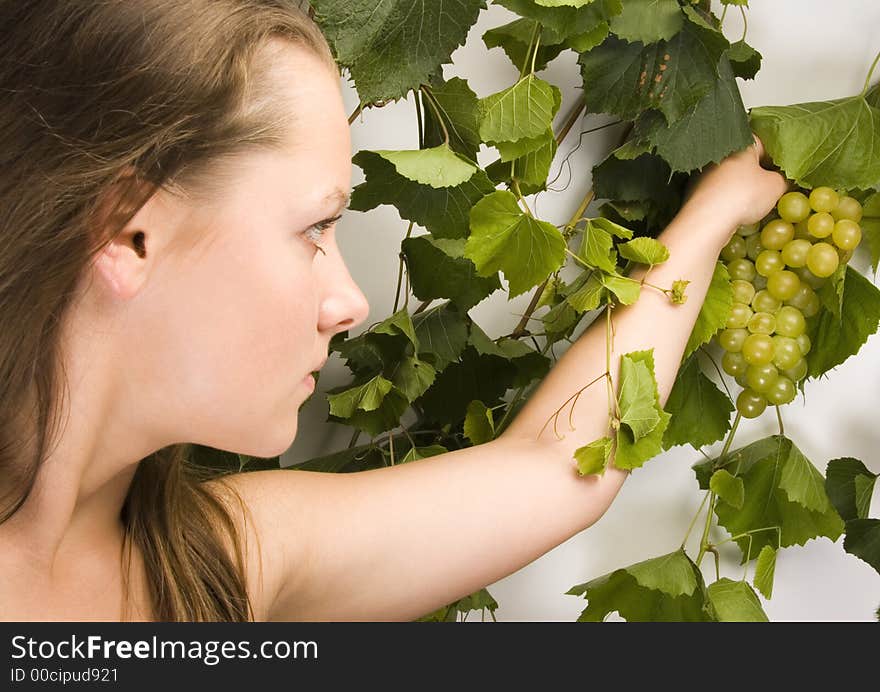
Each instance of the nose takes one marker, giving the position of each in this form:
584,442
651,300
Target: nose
343,304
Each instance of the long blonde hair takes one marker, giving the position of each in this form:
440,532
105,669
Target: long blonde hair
88,89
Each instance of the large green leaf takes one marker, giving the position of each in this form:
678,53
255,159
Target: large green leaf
648,21
834,143
566,23
637,409
734,601
715,309
782,489
700,411
442,211
459,109
523,111
515,39
438,166
850,485
717,126
863,540
393,46
668,588
632,452
442,333
438,269
625,79
412,377
834,340
504,238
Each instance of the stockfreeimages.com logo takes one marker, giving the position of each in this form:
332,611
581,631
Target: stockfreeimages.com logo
208,652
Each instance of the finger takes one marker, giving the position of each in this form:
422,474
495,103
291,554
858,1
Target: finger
778,183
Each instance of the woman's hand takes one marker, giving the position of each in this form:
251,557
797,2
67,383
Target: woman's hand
738,190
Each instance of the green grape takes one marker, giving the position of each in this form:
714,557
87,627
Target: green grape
765,302
748,229
769,261
820,225
809,278
794,254
750,403
789,322
757,349
735,249
732,339
793,206
759,282
754,247
823,199
783,284
761,377
743,291
740,314
822,259
847,234
805,300
801,229
733,363
741,381
797,372
776,234
781,392
741,269
804,343
786,352
848,208
762,323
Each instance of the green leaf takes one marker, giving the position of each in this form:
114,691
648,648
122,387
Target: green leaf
744,60
437,167
416,453
531,168
831,292
596,248
717,126
700,411
729,488
834,341
522,111
644,251
593,458
648,21
479,600
459,108
834,143
870,224
442,333
359,458
504,238
715,309
863,540
626,290
394,46
849,485
765,568
734,601
367,396
612,228
438,269
479,427
569,23
515,39
376,421
668,588
474,376
399,323
636,397
782,489
445,212
625,79
413,377
589,295
632,452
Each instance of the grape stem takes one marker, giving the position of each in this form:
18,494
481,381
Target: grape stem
704,540
779,418
870,74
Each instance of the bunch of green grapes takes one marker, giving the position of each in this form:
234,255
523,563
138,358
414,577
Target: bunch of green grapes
776,267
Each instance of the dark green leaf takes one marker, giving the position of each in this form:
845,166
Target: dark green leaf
849,485
744,59
863,540
514,38
442,333
459,108
700,411
648,21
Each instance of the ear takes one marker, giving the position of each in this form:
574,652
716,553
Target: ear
122,264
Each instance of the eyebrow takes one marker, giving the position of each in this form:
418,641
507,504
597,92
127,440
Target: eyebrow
339,195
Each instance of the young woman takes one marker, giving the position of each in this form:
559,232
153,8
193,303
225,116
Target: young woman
169,274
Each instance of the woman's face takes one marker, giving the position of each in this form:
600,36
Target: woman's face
223,332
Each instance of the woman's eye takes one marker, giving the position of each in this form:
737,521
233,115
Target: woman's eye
316,232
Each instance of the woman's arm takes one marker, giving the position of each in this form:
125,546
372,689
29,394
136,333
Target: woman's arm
398,542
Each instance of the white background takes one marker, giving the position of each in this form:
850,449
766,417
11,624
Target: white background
813,50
